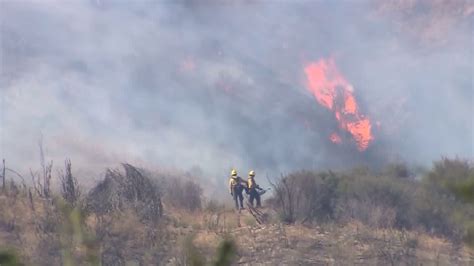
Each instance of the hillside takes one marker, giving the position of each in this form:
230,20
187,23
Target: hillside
328,244
128,220
131,131
269,244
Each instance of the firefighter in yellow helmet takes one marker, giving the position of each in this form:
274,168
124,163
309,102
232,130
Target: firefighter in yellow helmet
252,188
236,187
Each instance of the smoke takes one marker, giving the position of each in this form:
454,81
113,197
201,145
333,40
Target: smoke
214,85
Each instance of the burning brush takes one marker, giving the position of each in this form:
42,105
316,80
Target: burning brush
335,93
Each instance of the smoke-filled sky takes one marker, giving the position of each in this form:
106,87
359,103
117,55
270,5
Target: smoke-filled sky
212,85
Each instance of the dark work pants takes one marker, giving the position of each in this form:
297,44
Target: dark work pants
254,196
238,197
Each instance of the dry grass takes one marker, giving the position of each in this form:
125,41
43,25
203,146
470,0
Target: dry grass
116,231
122,235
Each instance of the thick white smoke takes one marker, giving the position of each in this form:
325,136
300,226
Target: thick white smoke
215,84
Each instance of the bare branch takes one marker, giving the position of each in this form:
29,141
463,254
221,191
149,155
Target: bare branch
69,185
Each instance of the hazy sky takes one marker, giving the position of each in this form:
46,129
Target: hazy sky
214,84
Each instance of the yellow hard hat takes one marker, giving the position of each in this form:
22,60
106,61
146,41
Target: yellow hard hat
252,173
233,172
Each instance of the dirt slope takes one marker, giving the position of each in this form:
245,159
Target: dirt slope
277,244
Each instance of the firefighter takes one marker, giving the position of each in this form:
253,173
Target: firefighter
236,187
252,188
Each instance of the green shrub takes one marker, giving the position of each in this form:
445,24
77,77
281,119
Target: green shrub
9,258
439,203
225,253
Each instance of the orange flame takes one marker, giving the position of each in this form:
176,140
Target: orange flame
335,138
335,93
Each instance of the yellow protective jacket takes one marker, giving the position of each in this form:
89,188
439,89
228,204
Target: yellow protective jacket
251,183
234,181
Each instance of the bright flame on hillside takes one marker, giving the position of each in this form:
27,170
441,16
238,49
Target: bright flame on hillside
334,92
335,138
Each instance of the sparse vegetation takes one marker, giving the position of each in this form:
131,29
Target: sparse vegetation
329,217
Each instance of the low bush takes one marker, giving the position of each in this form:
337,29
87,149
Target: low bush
182,193
306,196
379,199
132,189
